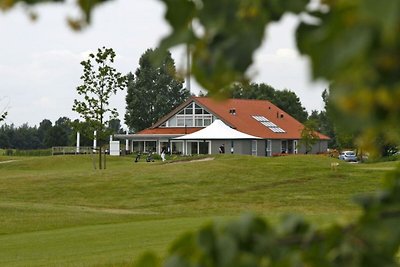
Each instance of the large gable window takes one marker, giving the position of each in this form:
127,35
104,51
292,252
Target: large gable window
191,116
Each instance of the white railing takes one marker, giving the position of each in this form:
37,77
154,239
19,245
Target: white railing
71,150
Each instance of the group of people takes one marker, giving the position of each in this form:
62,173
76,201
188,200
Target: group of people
165,150
150,158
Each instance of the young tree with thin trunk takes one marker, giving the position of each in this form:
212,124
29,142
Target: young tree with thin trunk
309,136
100,82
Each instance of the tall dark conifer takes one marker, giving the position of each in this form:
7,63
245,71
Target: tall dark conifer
153,91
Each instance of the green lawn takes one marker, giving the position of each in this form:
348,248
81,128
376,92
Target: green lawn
58,211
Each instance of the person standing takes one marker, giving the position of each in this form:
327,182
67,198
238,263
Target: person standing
222,149
163,150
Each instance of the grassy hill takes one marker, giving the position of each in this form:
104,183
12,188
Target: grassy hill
58,211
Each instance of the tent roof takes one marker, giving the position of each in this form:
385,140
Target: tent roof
217,131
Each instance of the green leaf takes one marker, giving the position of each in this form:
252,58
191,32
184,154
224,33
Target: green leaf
185,9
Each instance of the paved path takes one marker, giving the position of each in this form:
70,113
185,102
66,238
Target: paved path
190,161
7,161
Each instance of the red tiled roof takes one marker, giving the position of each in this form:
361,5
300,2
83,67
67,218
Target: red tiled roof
242,120
170,130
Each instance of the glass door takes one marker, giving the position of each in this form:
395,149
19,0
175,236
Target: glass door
254,147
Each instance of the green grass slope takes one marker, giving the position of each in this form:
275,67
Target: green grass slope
58,211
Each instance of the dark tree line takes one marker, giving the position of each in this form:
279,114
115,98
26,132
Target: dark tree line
47,134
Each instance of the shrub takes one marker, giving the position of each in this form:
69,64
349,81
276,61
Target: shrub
32,153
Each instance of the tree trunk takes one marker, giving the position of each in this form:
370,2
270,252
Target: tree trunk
93,160
100,165
105,155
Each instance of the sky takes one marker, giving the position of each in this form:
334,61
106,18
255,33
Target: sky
40,61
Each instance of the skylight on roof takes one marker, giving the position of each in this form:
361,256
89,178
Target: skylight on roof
269,124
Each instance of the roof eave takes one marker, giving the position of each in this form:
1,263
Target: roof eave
146,136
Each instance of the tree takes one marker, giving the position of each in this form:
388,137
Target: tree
326,119
65,129
290,103
25,137
43,131
81,127
59,134
285,99
100,82
153,91
114,126
260,91
334,124
309,137
5,136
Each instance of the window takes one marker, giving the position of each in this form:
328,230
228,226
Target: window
269,124
189,110
254,147
207,121
188,122
269,148
180,121
284,146
172,122
199,122
191,116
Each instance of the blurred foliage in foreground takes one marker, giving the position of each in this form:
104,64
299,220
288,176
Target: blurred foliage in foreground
373,240
353,44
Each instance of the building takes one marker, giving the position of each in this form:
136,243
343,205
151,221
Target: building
274,131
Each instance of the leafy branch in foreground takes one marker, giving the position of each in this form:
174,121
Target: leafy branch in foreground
85,6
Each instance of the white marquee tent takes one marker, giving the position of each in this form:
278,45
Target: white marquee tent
217,131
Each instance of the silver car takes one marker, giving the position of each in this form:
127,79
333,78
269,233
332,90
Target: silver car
348,156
